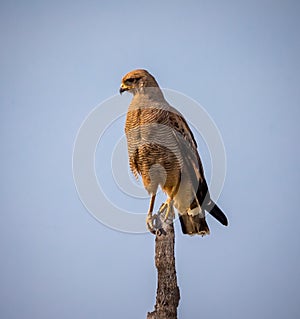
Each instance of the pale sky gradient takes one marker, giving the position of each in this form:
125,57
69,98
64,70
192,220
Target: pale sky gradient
60,59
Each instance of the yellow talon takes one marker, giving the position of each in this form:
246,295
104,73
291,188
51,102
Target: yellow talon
168,206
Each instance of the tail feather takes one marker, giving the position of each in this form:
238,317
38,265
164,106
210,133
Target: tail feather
193,225
216,212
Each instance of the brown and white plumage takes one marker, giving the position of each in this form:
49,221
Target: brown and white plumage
162,149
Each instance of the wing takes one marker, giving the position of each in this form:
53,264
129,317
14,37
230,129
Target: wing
191,159
186,140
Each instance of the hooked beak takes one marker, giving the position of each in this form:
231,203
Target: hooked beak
123,88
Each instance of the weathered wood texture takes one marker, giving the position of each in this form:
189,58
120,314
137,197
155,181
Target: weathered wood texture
167,294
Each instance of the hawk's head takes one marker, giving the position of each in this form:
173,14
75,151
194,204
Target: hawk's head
136,80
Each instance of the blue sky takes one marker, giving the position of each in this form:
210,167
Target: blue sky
59,60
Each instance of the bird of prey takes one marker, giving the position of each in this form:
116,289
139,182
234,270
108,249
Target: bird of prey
163,150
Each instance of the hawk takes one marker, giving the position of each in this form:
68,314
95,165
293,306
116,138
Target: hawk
163,151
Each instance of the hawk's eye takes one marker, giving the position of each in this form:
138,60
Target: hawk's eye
130,80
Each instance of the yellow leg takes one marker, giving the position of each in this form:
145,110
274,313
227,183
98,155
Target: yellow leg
168,207
149,220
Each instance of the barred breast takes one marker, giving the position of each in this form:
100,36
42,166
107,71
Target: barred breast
157,147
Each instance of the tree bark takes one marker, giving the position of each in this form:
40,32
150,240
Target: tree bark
167,294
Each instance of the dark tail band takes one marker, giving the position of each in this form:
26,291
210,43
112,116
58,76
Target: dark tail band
216,212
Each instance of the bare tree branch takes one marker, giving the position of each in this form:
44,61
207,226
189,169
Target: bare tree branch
167,294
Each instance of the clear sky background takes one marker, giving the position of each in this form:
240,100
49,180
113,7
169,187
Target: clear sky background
59,59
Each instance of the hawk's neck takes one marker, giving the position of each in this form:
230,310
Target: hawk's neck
149,94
